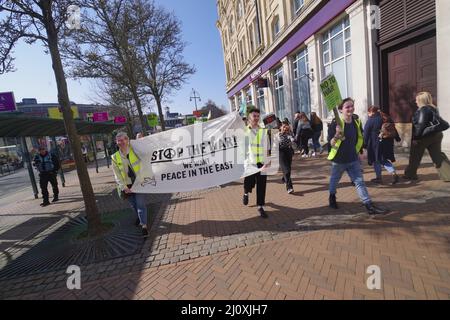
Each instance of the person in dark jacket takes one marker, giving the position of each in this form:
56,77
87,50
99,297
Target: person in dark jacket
294,128
317,127
380,151
286,153
303,133
48,165
432,142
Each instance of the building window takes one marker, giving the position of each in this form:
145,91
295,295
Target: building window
240,10
336,55
260,100
276,28
251,37
279,93
297,6
239,100
302,98
231,26
249,96
256,32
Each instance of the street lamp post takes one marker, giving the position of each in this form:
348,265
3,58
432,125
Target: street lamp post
195,97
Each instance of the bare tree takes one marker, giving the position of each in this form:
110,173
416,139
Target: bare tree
44,21
104,47
211,107
161,48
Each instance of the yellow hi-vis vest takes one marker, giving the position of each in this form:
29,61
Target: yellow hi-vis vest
134,162
256,145
359,142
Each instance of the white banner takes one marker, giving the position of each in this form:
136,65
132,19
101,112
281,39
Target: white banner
198,156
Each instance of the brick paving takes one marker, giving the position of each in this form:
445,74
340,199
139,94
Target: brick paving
207,245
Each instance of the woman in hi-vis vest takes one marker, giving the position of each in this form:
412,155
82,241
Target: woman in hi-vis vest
125,166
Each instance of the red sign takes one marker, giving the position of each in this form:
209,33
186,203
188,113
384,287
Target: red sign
120,119
197,114
101,116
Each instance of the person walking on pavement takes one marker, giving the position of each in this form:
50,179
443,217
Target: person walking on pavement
346,143
286,153
303,133
421,139
256,155
294,129
317,127
379,143
84,151
125,166
48,165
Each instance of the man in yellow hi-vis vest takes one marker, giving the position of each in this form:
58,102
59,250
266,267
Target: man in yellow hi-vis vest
257,140
346,140
126,165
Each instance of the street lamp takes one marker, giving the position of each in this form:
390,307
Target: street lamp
195,97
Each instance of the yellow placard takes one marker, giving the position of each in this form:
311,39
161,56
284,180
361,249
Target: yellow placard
54,113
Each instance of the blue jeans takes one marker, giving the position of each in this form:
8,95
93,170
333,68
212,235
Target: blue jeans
137,201
387,165
354,171
315,139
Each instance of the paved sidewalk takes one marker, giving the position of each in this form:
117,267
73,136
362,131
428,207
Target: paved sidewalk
207,245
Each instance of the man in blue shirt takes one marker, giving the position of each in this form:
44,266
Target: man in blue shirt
346,141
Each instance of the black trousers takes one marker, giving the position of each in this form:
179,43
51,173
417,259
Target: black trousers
433,144
285,164
304,138
44,179
260,180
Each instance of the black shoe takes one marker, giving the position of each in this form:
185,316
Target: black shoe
377,181
372,209
262,213
137,223
332,201
44,204
55,198
395,179
410,178
245,199
144,232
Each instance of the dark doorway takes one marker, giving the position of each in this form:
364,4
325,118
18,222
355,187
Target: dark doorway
411,68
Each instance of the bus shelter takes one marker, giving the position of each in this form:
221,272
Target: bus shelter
19,125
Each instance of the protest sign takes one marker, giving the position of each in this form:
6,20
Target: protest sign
199,156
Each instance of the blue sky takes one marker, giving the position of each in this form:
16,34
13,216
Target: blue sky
34,76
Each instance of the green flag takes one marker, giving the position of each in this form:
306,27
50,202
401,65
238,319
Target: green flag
330,91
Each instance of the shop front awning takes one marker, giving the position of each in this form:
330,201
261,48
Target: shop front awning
21,125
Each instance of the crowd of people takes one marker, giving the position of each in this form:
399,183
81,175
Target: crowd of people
346,140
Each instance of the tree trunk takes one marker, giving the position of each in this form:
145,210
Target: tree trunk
93,216
137,100
160,112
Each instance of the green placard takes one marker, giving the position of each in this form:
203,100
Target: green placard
152,120
330,91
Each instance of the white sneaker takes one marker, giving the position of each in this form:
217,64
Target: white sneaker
313,154
290,191
304,156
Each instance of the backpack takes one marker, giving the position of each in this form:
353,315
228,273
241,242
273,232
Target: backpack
388,129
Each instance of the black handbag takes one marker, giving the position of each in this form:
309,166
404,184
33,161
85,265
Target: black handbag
436,125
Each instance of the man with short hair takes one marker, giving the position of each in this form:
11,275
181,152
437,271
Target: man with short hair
48,165
125,166
256,156
346,141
